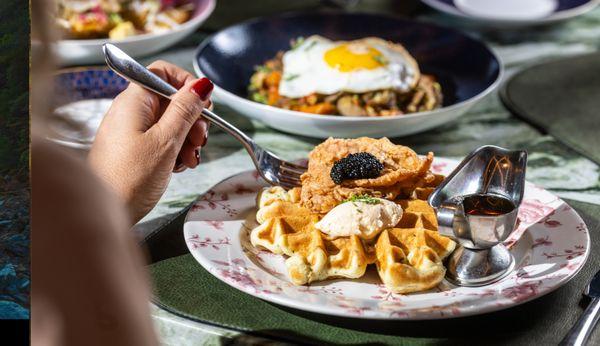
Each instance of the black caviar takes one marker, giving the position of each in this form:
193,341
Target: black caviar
356,166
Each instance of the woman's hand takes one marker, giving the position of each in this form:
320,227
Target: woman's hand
144,137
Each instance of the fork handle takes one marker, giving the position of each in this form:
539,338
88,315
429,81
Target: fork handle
133,71
581,331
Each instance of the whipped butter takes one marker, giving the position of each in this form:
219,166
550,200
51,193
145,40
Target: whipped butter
365,219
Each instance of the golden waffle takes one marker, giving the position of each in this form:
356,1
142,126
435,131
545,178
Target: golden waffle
277,221
288,228
409,257
427,186
414,213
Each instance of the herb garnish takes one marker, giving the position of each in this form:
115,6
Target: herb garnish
357,208
116,18
297,42
364,199
312,44
290,77
262,68
258,97
380,59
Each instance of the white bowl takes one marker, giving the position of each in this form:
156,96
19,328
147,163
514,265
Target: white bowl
80,52
563,10
325,126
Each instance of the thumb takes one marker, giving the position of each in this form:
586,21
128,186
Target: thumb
185,108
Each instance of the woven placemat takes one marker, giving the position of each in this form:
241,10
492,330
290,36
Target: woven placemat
561,98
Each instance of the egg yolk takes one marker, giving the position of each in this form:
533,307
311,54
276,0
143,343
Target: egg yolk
348,57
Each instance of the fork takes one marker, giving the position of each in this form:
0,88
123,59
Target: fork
270,167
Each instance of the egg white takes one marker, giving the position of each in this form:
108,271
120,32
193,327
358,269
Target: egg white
305,70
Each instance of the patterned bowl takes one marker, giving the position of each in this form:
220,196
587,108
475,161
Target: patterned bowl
82,97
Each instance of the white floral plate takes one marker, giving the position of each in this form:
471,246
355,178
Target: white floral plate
550,246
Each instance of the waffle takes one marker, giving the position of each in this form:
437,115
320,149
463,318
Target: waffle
425,187
409,257
288,228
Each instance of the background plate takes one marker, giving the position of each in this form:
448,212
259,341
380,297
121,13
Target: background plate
82,97
78,52
563,9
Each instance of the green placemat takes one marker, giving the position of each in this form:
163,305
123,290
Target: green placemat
561,98
183,287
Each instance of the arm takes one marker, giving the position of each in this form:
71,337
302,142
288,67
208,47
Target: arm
90,285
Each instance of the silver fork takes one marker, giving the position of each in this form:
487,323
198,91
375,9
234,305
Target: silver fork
273,169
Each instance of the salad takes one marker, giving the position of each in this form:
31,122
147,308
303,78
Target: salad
118,19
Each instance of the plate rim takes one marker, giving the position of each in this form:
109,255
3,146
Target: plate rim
292,303
554,17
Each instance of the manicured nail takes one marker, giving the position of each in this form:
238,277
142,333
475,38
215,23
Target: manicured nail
179,169
197,152
179,166
205,138
203,87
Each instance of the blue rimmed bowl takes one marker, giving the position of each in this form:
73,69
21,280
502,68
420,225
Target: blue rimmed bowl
81,98
465,67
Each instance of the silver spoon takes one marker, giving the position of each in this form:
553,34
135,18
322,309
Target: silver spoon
273,169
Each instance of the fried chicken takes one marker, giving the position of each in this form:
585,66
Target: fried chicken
403,172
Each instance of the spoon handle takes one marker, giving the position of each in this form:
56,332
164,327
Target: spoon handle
128,68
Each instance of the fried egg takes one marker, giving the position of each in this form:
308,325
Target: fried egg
319,65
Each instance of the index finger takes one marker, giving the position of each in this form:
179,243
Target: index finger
172,74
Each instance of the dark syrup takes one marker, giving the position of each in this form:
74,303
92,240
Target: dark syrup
487,205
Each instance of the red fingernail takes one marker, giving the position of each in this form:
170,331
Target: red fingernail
203,87
179,168
197,152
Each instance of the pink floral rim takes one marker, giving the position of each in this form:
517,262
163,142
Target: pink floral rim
550,245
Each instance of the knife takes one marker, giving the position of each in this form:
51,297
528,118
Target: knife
581,331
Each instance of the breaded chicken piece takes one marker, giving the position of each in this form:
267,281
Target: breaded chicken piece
403,172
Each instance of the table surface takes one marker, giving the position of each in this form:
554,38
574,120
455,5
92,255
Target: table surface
551,165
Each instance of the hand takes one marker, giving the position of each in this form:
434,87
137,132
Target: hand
144,137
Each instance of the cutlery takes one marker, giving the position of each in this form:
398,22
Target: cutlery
581,331
272,169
